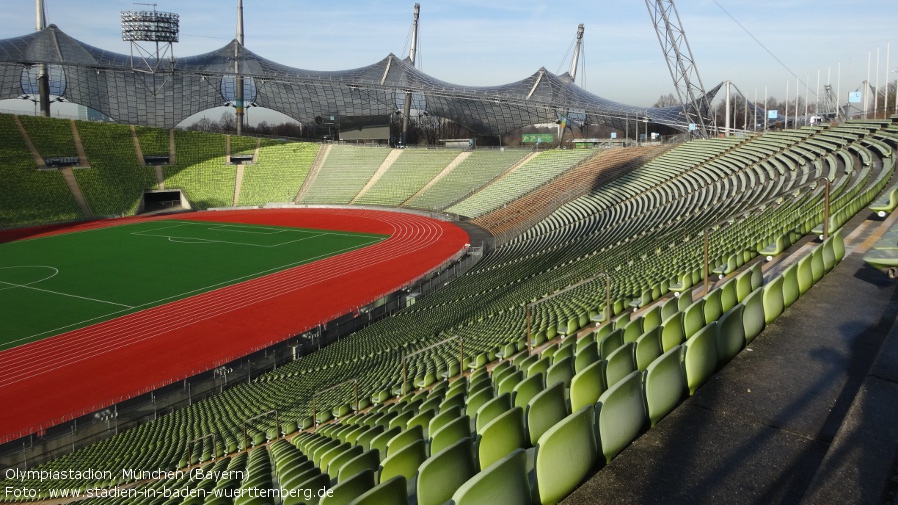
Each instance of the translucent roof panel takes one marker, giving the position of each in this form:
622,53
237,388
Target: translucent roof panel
105,81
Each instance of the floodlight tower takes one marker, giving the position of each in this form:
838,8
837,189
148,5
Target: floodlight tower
696,107
238,105
43,76
413,48
161,30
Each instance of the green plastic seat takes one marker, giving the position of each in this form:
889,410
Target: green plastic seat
317,483
620,363
367,436
728,295
491,410
838,244
828,254
753,316
349,489
757,276
380,441
565,455
585,357
651,318
368,460
326,457
422,419
700,357
509,381
669,308
817,269
743,285
444,417
404,439
502,483
336,463
450,433
791,292
527,389
389,492
712,307
540,366
544,410
588,385
730,335
805,275
457,400
499,370
610,342
501,436
773,299
633,330
444,472
404,462
673,333
648,347
566,350
665,384
694,317
620,415
561,371
476,401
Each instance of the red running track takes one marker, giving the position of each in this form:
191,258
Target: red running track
66,376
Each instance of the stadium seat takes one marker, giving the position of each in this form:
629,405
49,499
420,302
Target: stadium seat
565,454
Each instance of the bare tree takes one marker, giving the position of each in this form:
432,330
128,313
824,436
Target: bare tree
668,100
228,122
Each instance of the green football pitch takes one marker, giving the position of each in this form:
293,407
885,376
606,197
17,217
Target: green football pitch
60,283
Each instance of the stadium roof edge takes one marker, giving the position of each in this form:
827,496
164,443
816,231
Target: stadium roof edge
108,82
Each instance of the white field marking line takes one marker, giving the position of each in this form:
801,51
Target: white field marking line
13,285
369,258
237,305
26,371
200,240
270,283
203,290
25,286
108,349
235,228
197,290
227,309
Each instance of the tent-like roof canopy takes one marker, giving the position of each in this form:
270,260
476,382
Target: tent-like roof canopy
107,82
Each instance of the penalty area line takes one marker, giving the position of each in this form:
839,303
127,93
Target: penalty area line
25,286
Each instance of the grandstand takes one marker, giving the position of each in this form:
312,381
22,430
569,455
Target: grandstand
596,380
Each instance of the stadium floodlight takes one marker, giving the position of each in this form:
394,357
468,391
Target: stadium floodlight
150,26
160,30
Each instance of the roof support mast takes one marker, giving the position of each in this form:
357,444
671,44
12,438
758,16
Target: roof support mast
575,62
407,109
43,76
691,92
238,106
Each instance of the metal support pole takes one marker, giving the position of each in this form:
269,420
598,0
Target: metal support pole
826,209
707,260
461,354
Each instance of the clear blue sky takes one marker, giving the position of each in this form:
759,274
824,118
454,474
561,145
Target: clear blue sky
498,41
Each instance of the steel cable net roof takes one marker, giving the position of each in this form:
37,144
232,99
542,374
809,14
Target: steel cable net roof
105,81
